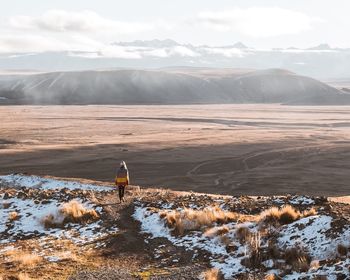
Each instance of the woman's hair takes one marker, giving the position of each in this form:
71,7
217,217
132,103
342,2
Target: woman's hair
123,164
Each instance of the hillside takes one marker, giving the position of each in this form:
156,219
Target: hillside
54,228
169,86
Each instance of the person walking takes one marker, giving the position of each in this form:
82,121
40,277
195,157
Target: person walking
122,180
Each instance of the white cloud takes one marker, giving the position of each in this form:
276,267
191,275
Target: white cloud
258,21
227,52
183,51
28,42
84,21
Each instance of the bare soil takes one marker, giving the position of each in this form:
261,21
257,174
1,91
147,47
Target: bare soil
226,149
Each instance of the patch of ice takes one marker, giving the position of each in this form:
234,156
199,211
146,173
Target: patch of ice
18,180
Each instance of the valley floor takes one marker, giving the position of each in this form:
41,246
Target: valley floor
224,149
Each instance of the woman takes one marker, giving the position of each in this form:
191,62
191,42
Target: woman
122,180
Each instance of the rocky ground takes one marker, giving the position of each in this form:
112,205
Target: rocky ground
64,229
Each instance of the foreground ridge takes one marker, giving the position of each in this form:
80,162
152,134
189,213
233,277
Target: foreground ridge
74,228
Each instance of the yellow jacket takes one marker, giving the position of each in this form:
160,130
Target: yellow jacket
122,178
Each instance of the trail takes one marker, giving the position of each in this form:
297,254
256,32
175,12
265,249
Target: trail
246,166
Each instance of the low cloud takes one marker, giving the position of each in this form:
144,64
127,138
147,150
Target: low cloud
84,21
257,21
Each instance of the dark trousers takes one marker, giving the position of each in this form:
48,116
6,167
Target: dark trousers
121,190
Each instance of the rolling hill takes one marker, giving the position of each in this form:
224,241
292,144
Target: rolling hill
169,86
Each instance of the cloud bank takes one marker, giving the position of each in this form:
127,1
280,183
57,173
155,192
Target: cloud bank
87,31
257,21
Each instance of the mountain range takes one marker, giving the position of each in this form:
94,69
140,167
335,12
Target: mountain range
320,62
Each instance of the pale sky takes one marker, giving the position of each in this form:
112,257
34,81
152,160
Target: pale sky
90,25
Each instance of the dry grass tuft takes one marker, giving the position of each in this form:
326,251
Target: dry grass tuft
298,258
188,219
342,250
212,274
288,215
216,231
310,212
13,216
70,212
254,257
23,258
75,212
243,234
272,277
285,215
315,264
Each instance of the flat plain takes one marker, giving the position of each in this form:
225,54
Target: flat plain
227,149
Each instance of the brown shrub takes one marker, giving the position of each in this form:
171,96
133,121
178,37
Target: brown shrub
298,258
243,234
342,250
70,212
13,216
212,274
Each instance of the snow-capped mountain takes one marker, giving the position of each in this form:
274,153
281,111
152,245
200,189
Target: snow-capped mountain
321,62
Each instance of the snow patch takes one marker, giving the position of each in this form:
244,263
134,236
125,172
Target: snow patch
18,180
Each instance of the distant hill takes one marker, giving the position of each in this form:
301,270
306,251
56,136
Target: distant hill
169,86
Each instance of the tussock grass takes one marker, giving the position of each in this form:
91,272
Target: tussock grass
75,212
188,219
212,274
243,234
254,256
13,216
298,258
314,264
216,231
23,259
70,212
285,215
